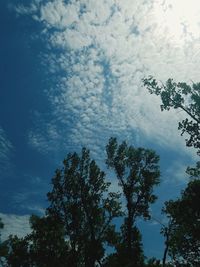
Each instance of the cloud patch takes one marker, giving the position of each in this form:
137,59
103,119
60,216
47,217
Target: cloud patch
99,52
14,225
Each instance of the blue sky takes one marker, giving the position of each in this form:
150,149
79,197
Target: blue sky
70,76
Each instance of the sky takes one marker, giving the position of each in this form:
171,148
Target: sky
71,76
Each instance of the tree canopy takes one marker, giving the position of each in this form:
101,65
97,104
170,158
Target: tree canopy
81,201
138,172
184,234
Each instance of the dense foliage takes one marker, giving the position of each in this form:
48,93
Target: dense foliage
184,234
81,201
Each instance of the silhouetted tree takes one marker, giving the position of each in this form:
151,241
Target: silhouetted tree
138,172
186,98
184,235
166,231
3,247
47,244
81,201
78,225
18,254
120,257
180,96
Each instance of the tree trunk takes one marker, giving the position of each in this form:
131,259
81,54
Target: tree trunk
129,233
166,247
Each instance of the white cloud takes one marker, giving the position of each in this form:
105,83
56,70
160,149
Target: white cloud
74,40
29,200
14,225
107,47
30,9
59,14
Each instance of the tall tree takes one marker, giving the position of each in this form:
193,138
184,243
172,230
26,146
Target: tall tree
81,201
180,239
180,96
138,172
184,234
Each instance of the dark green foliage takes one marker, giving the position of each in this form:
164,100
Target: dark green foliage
44,247
194,172
182,96
121,257
138,172
81,201
3,247
18,254
1,224
47,245
184,235
153,262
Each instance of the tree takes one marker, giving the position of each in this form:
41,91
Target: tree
17,252
182,241
180,96
47,244
120,257
78,222
138,172
3,248
81,201
184,235
153,262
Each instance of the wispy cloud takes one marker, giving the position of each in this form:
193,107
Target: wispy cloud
100,51
28,9
6,149
178,171
31,197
